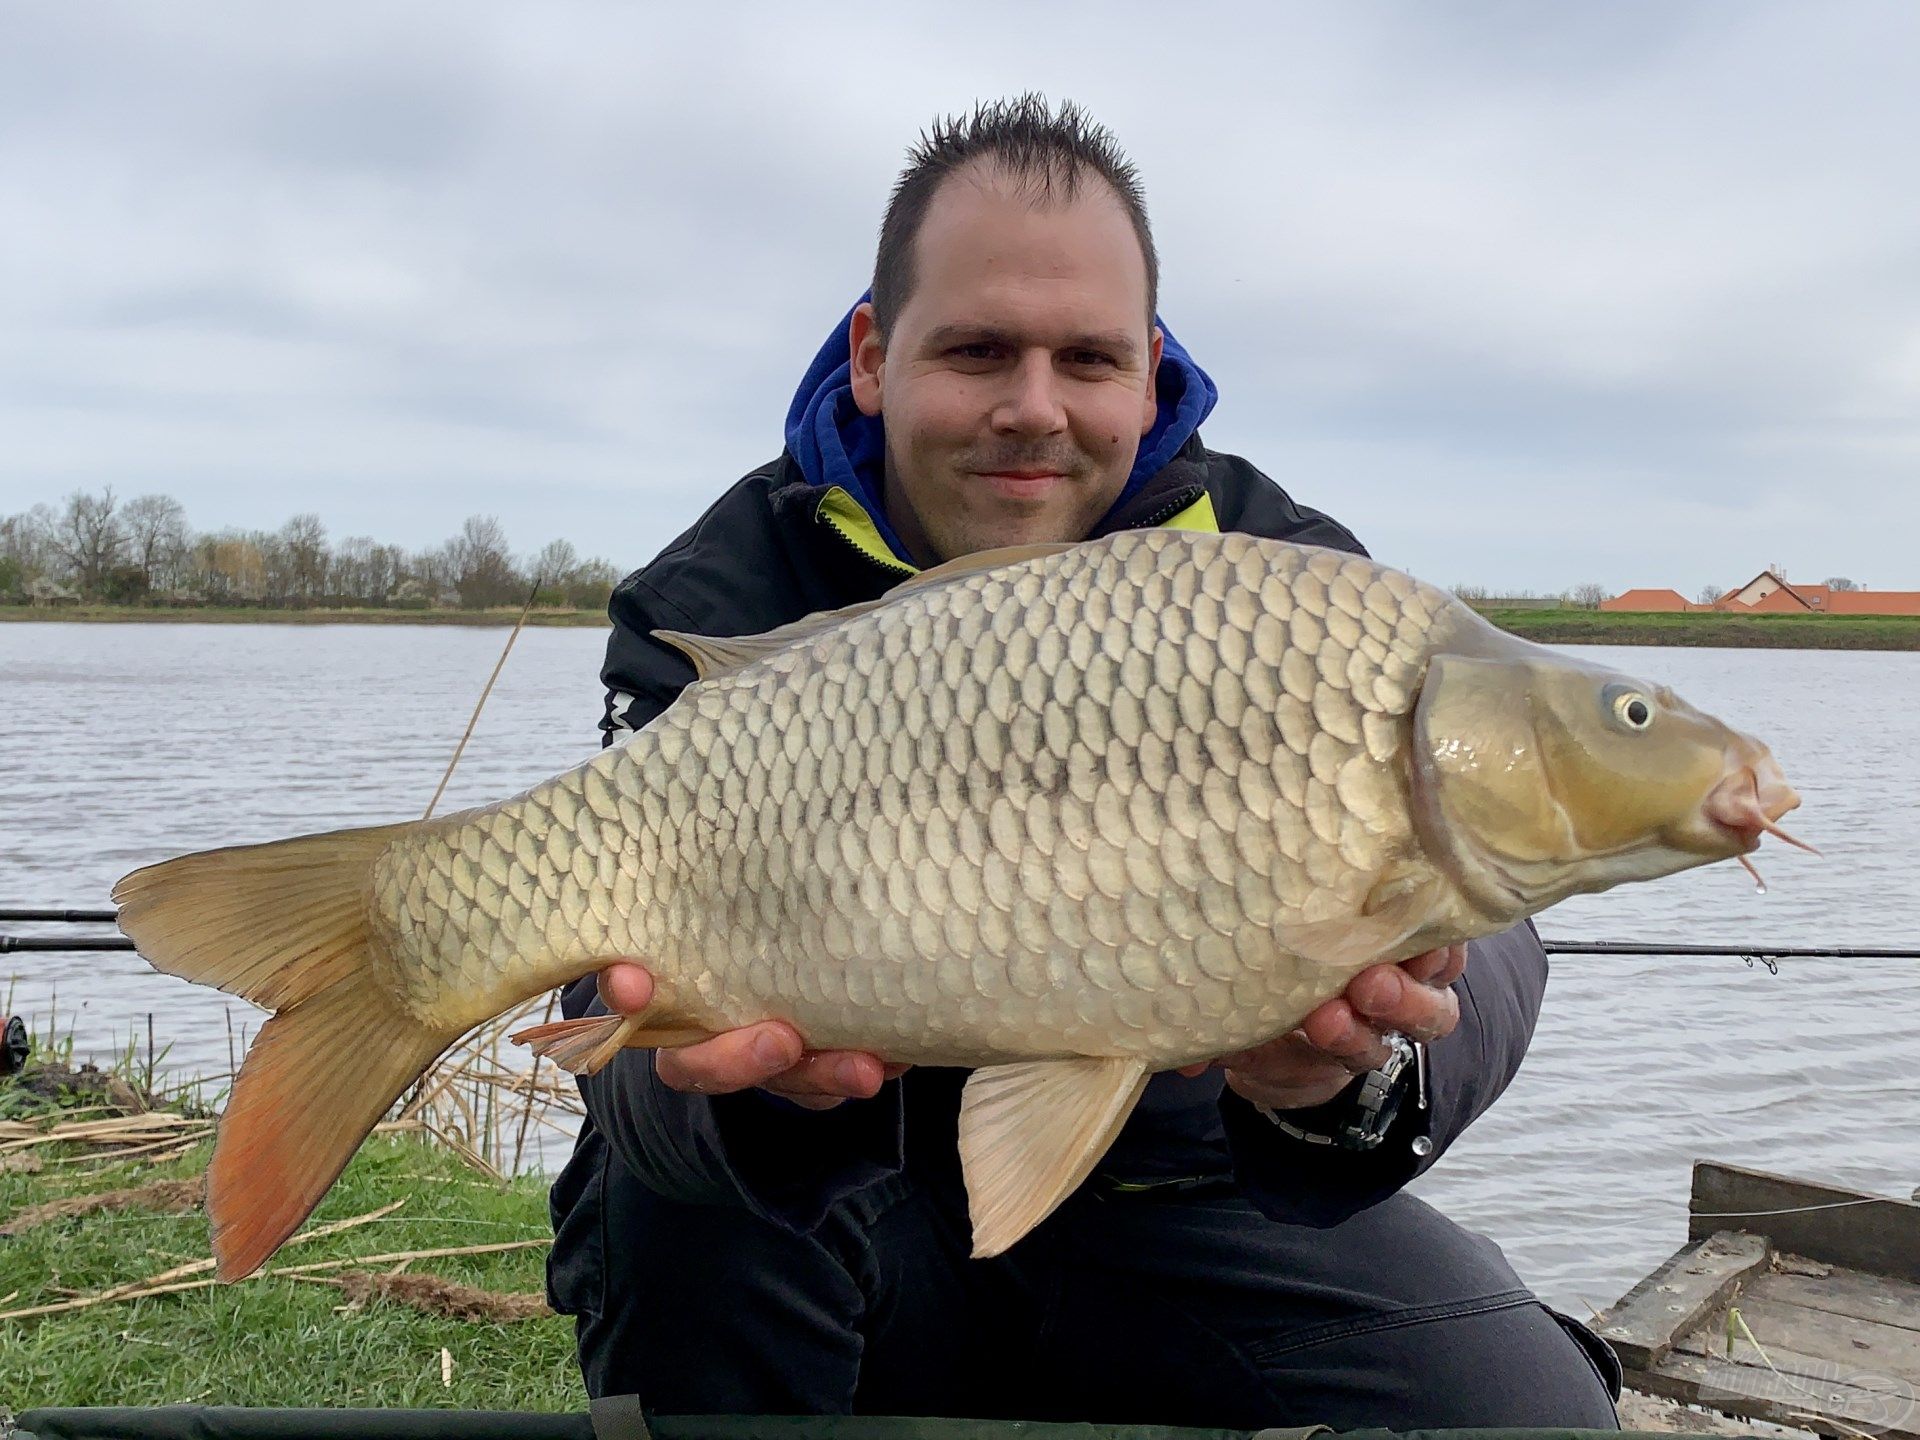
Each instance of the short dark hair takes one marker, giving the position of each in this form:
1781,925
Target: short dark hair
1047,153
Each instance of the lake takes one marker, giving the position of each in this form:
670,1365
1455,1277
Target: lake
126,744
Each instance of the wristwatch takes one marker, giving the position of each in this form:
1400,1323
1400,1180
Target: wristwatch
1360,1120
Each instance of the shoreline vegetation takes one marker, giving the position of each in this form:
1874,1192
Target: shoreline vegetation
499,615
417,1283
1713,629
1559,626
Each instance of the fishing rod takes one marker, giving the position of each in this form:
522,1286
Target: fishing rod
1750,952
1738,952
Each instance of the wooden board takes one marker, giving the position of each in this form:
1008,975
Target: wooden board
1825,1285
1841,1227
1862,1345
1849,1294
1874,1406
1697,1281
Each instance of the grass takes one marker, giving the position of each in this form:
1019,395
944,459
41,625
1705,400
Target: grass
267,1341
242,615
1785,632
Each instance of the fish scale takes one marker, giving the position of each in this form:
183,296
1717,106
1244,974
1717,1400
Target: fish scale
1089,719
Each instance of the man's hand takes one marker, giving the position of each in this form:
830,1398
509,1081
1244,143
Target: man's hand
769,1055
1346,1036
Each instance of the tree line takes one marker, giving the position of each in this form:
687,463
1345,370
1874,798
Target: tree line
99,549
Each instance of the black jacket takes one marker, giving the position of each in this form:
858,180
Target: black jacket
766,554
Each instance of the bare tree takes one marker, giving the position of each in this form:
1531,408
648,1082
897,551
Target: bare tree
482,567
1587,596
276,565
1709,594
434,571
304,545
348,568
26,542
553,568
386,572
157,541
114,550
1840,582
89,537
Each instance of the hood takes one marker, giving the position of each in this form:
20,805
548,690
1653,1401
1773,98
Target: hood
834,444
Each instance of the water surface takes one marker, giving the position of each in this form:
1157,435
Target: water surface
126,744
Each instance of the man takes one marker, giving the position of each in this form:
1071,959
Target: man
747,1227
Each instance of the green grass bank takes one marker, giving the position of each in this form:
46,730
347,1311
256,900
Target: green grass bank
241,615
317,1340
1758,632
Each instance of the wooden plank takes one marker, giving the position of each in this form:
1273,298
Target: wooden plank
1696,1281
1861,1344
1877,1406
1822,1222
1846,1293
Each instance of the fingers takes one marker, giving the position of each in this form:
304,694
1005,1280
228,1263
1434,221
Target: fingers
1339,1031
1289,1073
626,987
830,1077
1438,967
772,1056
736,1060
1385,999
1391,997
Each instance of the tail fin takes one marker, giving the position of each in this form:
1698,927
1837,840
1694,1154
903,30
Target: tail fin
286,925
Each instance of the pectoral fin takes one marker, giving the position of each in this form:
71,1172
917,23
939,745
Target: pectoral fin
1031,1132
1395,910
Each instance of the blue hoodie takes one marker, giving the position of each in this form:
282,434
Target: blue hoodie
836,445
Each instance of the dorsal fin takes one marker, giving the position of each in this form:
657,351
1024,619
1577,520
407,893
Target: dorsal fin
978,563
714,655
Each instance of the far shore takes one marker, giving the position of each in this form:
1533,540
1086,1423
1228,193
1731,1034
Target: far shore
244,615
1552,627
1712,629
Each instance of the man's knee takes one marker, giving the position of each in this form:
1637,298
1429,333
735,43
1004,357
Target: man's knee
1424,1324
1396,1318
1504,1365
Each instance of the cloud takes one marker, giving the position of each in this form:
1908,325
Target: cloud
1527,295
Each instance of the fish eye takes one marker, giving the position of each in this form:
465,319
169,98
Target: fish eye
1630,707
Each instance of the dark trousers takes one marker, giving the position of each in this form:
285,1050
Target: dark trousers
1180,1308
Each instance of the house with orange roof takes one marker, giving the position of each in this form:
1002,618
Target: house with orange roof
1873,602
1769,593
1665,601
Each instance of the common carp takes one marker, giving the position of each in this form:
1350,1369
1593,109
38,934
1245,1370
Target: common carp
1066,814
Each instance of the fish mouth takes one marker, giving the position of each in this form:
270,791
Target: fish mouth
1748,803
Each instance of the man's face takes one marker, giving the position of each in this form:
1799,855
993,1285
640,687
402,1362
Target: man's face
1019,376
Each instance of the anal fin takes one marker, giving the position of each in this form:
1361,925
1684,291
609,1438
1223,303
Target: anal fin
585,1045
1031,1132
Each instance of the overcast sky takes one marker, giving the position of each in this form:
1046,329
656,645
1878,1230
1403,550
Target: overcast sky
1526,294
